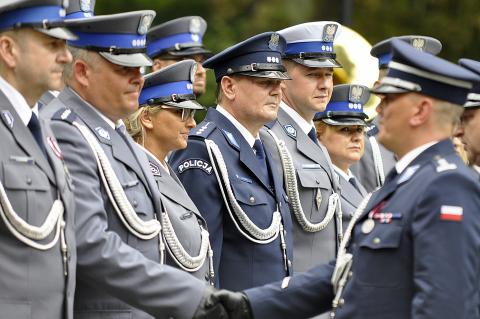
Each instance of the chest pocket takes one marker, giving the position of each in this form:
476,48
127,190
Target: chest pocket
25,177
254,201
28,190
377,261
314,178
138,197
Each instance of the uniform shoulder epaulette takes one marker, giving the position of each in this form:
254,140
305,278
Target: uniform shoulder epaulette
203,130
64,114
271,124
442,164
371,130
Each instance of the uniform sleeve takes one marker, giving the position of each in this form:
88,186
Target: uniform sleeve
108,263
445,230
194,169
306,295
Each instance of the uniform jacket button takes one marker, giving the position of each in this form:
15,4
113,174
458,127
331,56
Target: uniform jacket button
29,181
135,203
376,241
251,199
341,302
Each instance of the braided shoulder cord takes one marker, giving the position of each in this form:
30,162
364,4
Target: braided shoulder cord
252,232
142,229
29,234
293,195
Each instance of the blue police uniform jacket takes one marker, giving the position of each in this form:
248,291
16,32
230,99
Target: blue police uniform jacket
239,263
422,263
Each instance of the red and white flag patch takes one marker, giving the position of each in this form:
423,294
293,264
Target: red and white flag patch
451,213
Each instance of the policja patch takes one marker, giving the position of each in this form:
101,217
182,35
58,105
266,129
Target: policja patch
195,163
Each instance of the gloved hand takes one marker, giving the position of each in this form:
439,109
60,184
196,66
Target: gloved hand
223,304
236,304
210,306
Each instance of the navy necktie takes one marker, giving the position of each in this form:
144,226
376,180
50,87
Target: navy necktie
36,130
354,183
313,135
261,158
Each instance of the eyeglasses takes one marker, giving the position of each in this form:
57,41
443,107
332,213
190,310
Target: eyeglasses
184,113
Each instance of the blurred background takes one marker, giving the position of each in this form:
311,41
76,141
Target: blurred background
454,22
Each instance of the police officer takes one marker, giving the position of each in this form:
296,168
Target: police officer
75,9
469,128
37,242
311,184
180,39
340,128
118,225
241,199
161,125
412,250
378,161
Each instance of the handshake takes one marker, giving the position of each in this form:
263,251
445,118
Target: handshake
223,304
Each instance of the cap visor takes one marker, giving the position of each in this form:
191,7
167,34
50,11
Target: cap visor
386,88
130,60
344,121
192,51
59,33
190,104
318,63
268,74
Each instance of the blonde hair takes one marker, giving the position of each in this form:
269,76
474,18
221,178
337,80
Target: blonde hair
134,125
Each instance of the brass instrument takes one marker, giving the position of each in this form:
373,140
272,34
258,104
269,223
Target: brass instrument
359,67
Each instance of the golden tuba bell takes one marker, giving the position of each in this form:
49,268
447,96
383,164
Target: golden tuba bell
359,67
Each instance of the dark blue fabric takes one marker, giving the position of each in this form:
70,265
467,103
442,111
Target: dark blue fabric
262,160
313,135
36,130
415,267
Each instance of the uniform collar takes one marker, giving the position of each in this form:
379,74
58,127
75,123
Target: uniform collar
102,116
305,126
18,102
342,173
242,129
410,156
162,165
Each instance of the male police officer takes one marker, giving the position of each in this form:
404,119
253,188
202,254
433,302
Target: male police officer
469,128
37,244
413,251
311,184
75,9
377,160
177,40
241,199
119,242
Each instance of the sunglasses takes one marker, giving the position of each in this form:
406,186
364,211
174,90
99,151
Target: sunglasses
184,113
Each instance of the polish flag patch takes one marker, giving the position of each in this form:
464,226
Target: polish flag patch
451,213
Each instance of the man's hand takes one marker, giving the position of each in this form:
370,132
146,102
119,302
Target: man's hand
236,304
223,304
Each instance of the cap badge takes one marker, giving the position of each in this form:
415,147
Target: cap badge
85,5
329,32
273,43
145,23
193,71
195,25
65,4
355,94
418,44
